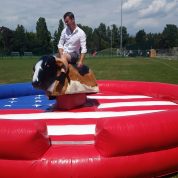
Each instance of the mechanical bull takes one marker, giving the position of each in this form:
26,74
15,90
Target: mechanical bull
48,77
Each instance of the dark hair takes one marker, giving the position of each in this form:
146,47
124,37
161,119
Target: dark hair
69,14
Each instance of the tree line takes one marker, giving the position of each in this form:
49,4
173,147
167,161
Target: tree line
43,42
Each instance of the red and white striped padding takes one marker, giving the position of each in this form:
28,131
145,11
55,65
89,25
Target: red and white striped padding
78,125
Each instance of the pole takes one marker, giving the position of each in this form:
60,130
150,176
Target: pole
121,31
111,41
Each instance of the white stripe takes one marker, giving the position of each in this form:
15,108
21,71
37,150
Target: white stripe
71,129
119,97
137,103
74,115
91,142
37,68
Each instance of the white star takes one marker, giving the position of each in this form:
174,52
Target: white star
12,101
36,105
38,101
8,105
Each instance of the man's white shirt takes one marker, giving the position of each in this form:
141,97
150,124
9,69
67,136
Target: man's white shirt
72,41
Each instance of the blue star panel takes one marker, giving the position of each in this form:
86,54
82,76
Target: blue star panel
27,102
23,96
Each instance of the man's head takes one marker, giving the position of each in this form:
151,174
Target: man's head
70,15
69,20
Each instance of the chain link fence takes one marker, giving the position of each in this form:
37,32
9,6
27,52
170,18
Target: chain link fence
168,53
160,53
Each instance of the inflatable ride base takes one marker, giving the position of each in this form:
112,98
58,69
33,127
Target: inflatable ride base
129,129
70,101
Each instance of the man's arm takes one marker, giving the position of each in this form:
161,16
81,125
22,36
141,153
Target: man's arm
81,60
83,50
60,50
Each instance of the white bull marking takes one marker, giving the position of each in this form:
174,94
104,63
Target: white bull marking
36,72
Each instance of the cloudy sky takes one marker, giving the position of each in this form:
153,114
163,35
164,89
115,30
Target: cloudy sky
150,15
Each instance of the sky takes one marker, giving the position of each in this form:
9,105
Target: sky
150,15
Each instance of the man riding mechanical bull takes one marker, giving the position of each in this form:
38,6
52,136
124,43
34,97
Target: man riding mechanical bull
65,73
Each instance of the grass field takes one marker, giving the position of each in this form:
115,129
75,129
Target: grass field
19,69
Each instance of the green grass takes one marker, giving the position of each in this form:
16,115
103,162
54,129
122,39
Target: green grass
16,69
141,69
19,69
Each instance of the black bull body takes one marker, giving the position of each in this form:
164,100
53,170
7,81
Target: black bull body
47,76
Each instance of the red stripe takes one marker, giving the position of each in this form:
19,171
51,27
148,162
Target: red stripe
71,121
128,100
72,138
20,111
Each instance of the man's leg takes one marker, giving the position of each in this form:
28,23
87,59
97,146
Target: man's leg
67,58
74,57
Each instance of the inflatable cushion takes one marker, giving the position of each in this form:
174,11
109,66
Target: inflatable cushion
18,89
137,134
23,139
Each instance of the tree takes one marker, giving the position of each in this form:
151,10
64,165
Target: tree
140,39
104,43
43,37
6,39
170,36
115,34
102,31
153,40
140,36
57,34
89,32
109,35
96,40
19,43
32,42
41,42
100,39
125,35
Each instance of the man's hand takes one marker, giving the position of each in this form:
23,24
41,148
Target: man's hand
79,64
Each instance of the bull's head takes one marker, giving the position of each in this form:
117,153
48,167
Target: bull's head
45,71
